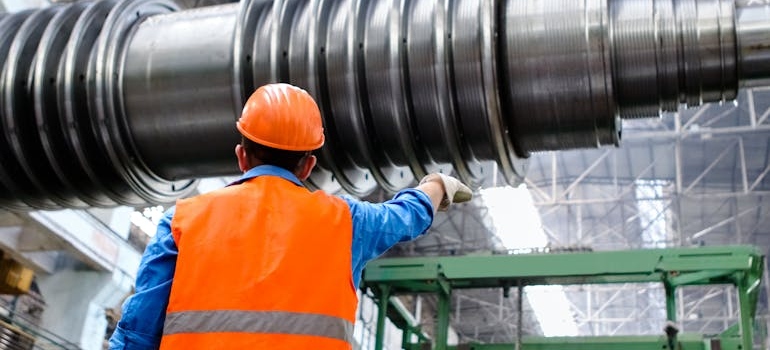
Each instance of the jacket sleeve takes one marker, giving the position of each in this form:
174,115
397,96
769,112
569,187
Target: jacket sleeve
378,227
141,324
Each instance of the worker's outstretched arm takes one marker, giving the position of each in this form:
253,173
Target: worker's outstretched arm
379,226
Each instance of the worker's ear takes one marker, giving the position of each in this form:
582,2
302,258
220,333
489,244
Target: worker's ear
243,159
305,167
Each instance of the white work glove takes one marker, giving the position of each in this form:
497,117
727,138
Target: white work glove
455,191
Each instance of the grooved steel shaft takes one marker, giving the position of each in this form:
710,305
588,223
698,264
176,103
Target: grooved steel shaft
124,102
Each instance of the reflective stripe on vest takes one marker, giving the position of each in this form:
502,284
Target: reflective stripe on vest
258,322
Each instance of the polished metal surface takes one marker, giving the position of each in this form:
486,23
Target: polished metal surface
753,49
126,102
186,97
67,177
21,147
555,60
10,192
106,100
64,140
81,150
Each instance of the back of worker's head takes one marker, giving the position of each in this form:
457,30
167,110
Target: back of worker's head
280,125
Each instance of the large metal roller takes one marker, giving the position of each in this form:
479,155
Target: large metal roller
127,102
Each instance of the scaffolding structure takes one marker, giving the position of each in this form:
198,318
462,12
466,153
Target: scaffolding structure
738,266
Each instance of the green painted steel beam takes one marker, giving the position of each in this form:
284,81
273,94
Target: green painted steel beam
425,274
685,342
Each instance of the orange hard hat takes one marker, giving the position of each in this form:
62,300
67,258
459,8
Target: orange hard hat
282,116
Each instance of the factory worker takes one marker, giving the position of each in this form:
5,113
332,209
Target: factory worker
264,263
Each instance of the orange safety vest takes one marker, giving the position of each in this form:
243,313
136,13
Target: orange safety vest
262,265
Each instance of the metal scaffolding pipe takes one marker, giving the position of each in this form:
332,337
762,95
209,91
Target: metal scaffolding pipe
127,102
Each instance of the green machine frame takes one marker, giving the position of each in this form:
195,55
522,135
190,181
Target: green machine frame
740,266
